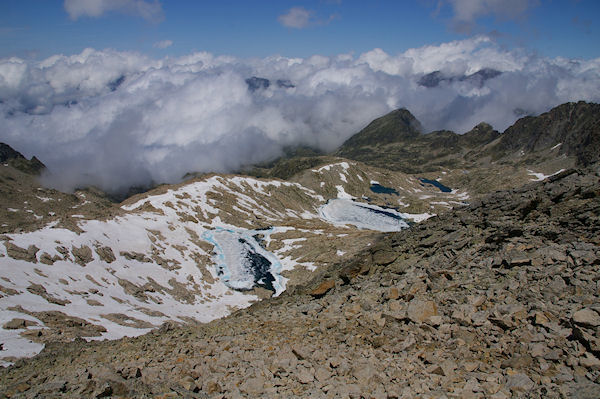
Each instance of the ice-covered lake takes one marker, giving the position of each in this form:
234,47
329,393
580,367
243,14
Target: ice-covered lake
242,263
343,211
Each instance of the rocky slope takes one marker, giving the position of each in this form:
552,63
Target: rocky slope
572,128
498,299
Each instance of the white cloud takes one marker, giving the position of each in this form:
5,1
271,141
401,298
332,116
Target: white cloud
116,119
296,17
163,44
149,10
466,12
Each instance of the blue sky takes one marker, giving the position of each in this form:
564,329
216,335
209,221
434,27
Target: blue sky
40,28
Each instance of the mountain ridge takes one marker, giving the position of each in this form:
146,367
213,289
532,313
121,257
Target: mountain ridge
529,134
32,166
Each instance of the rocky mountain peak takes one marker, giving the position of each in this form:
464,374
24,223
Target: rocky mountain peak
575,126
7,152
480,135
397,125
435,78
14,158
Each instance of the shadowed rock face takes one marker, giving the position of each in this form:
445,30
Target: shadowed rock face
18,161
575,126
7,152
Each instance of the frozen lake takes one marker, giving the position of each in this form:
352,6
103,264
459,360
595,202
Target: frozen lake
342,211
242,263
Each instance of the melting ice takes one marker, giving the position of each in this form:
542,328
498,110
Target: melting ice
343,211
242,262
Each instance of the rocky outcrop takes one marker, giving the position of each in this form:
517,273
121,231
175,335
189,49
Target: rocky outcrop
19,253
498,299
82,255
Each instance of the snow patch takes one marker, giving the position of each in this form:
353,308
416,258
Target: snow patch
541,176
342,193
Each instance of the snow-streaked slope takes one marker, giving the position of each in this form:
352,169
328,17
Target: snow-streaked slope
181,253
136,271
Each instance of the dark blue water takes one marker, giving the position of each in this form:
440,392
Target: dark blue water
260,267
379,189
435,183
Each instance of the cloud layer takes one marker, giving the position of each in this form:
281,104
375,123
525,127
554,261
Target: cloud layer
117,119
296,17
466,12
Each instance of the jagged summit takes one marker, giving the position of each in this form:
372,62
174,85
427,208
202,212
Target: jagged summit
33,166
573,126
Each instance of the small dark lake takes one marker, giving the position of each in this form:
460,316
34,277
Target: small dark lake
379,189
435,183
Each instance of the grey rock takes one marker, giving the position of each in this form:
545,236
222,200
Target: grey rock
419,310
19,253
106,254
304,375
519,382
82,255
587,317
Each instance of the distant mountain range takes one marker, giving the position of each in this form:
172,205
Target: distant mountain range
430,80
396,141
436,78
563,137
255,83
